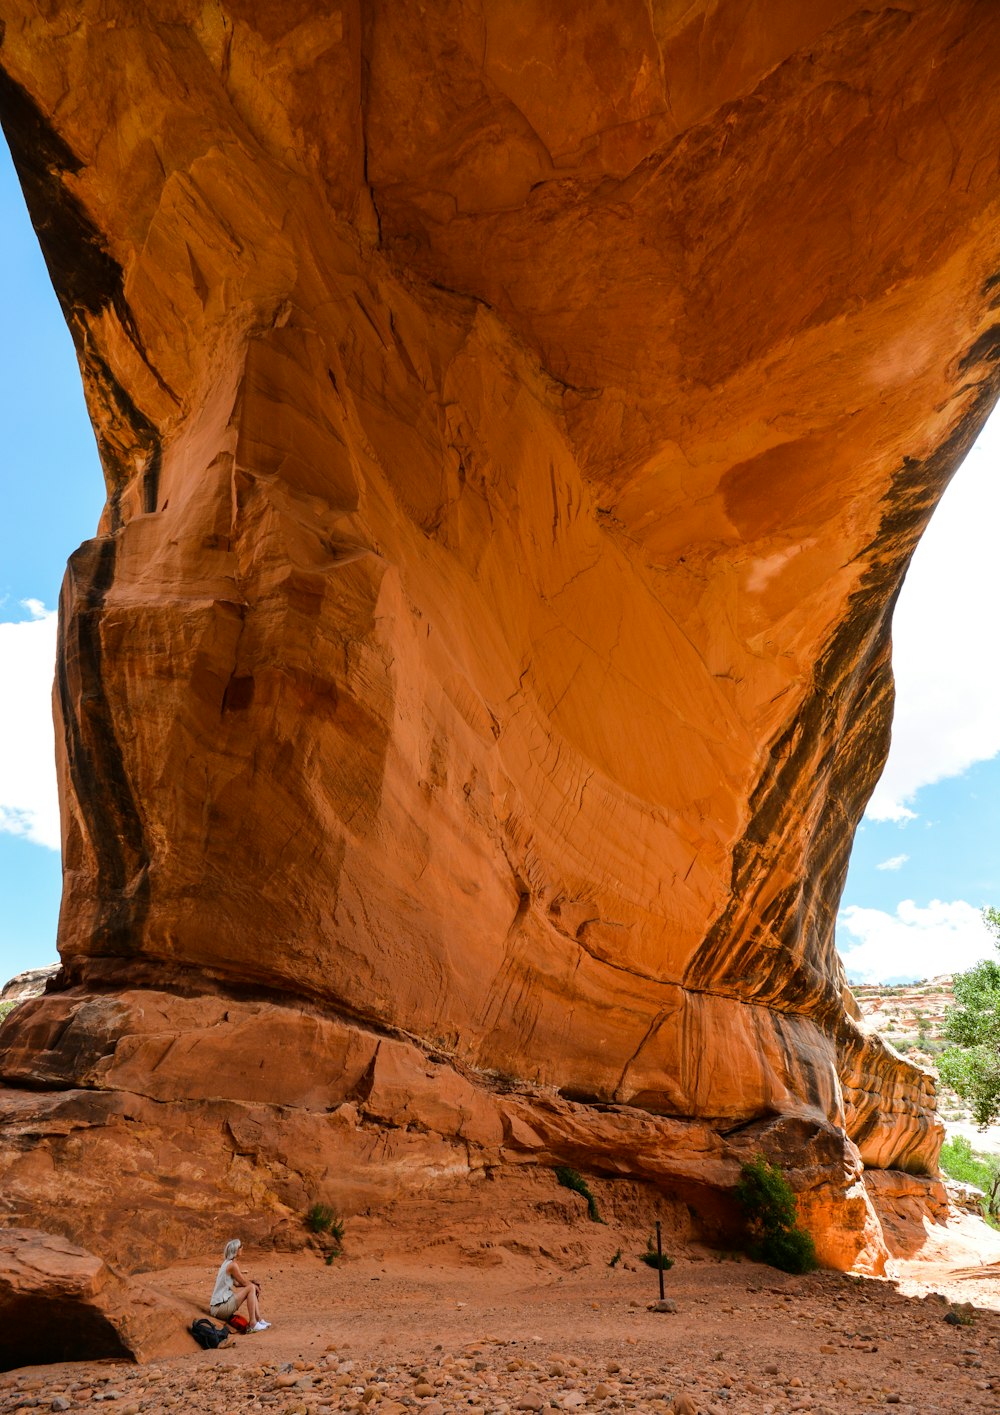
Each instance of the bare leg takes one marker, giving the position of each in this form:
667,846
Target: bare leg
249,1296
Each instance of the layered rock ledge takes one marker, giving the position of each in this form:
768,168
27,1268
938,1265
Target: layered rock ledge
517,421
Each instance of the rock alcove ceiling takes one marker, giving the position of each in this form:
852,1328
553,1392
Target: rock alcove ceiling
517,420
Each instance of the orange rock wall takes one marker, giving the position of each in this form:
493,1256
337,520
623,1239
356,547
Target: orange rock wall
517,420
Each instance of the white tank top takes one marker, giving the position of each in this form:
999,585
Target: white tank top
223,1285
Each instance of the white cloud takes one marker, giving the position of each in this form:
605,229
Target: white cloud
912,943
894,862
947,676
29,805
882,808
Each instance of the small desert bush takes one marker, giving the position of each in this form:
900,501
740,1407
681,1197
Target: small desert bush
570,1179
962,1315
768,1205
322,1219
653,1259
5,1008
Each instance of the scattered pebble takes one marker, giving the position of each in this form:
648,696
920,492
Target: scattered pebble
734,1348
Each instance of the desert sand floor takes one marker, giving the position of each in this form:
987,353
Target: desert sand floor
495,1329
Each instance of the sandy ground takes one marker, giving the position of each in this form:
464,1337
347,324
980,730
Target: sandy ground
987,1141
554,1327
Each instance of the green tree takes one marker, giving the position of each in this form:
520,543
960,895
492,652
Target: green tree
971,1065
769,1209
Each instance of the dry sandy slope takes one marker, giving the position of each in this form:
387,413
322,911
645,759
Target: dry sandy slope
542,1319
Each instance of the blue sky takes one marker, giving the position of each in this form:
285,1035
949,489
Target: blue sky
914,890
926,857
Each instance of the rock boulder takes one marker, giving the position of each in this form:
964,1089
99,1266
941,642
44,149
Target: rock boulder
58,1302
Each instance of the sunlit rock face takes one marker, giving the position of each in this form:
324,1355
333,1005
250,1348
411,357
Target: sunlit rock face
517,420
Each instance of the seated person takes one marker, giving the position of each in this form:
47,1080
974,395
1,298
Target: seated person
233,1288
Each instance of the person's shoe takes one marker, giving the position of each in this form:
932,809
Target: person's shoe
261,1326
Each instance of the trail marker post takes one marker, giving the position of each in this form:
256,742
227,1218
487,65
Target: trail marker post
659,1257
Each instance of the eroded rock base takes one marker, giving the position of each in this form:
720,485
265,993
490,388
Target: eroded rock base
148,1123
59,1302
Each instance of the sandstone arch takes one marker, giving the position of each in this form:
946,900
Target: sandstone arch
517,421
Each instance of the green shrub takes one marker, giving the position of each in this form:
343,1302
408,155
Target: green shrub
653,1259
322,1219
5,1008
318,1218
792,1251
766,1197
960,1161
768,1205
570,1179
616,1258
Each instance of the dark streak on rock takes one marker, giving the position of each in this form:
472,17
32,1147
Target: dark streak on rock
986,349
86,277
367,45
100,780
87,281
837,744
126,439
239,694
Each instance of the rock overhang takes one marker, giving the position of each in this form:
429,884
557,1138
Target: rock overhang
517,426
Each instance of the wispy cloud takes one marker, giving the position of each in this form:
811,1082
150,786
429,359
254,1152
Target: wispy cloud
912,943
947,679
894,862
28,801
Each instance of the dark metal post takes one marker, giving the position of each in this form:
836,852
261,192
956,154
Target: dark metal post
659,1257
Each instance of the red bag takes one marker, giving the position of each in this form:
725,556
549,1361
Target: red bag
238,1323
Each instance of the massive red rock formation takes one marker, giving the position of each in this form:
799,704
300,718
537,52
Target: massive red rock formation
517,420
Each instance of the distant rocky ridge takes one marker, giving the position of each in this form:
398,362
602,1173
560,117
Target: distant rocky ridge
904,1013
28,984
910,1017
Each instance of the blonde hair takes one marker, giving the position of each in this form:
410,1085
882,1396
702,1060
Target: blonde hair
232,1248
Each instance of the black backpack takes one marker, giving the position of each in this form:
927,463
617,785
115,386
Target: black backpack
207,1335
